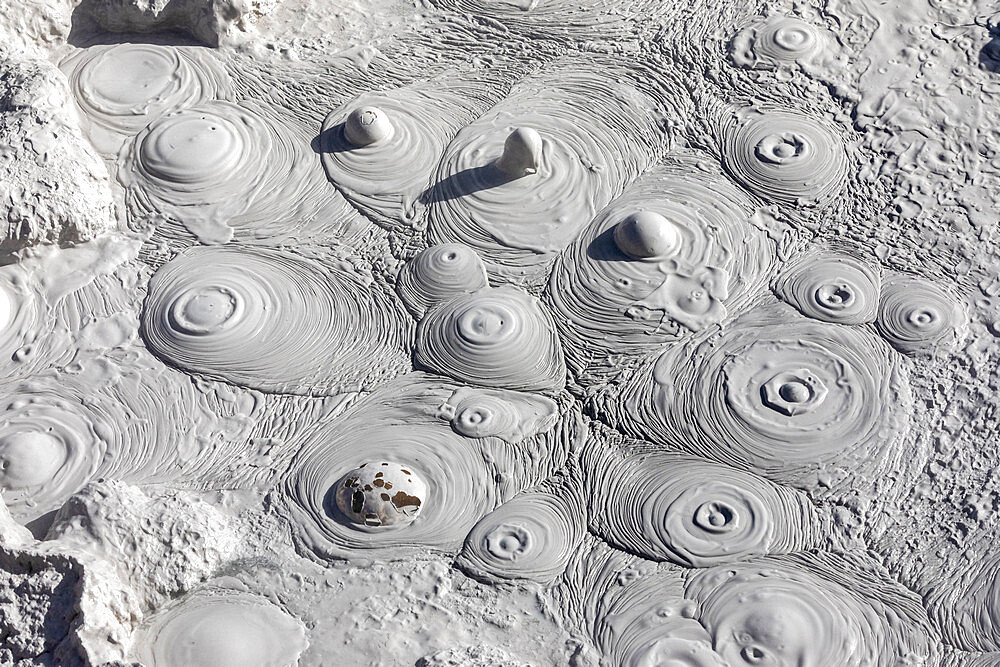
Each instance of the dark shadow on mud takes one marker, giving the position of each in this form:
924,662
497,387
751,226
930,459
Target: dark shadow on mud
86,30
466,182
604,248
989,55
330,141
40,526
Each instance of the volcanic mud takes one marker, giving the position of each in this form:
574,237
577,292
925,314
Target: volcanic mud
510,333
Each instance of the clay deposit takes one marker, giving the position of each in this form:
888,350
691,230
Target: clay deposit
499,333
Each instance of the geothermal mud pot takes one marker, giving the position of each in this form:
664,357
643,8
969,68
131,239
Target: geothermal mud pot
500,333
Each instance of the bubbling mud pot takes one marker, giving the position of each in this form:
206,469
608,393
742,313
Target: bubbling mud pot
508,333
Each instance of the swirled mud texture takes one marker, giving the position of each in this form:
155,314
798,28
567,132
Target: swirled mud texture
785,157
393,477
121,89
236,314
962,600
519,201
783,41
500,337
145,424
23,313
674,254
808,611
528,537
831,287
634,611
670,507
381,150
509,415
224,170
45,319
49,447
496,333
916,315
805,403
562,20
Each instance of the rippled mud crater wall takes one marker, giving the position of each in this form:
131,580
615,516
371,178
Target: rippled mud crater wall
499,333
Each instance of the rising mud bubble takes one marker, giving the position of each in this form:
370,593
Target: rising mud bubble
647,235
427,461
367,125
522,151
381,494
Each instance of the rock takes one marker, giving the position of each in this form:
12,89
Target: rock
151,558
471,656
38,595
211,22
12,534
54,189
33,26
59,605
65,600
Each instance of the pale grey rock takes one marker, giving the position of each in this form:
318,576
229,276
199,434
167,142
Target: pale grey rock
162,544
12,534
112,554
33,26
59,605
54,189
38,596
471,656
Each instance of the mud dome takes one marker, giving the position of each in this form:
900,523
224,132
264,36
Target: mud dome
500,333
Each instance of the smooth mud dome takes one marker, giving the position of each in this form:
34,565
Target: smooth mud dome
500,333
